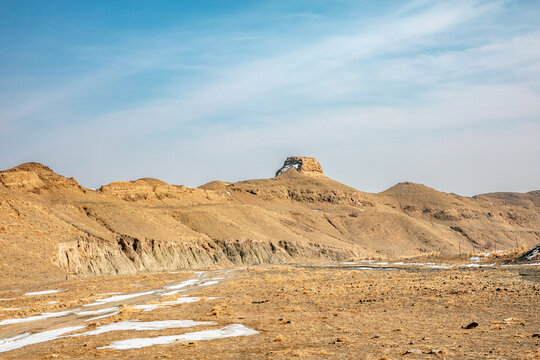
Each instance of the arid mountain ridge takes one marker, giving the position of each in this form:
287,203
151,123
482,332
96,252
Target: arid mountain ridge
50,226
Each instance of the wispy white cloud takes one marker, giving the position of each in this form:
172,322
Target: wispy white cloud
377,86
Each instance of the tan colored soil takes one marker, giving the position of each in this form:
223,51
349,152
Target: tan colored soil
322,312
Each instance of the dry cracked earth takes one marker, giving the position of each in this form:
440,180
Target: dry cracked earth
348,310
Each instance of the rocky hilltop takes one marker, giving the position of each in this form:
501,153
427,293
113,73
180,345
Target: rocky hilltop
50,226
301,164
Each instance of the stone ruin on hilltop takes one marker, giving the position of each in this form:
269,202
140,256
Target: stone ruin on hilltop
301,164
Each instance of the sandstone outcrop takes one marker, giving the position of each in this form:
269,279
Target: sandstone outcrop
301,164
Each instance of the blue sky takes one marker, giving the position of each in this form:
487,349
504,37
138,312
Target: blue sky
442,93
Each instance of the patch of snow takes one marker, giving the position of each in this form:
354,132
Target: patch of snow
35,318
233,330
214,297
478,265
7,299
208,283
170,293
533,254
19,341
519,265
119,298
97,312
184,300
183,284
147,307
53,302
475,258
11,309
103,316
45,292
136,325
150,307
441,266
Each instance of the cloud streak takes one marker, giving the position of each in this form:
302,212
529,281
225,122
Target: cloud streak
410,74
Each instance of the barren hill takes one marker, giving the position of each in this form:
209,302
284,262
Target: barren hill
530,199
50,226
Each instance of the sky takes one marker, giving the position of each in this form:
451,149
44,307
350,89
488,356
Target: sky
443,93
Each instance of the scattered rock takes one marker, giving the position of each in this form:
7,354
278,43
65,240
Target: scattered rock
470,326
436,352
412,351
260,302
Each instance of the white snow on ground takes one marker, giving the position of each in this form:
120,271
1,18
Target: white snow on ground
35,318
28,338
441,266
143,326
45,292
97,312
103,316
478,265
116,298
53,302
184,300
475,258
25,339
150,307
183,284
533,254
214,297
225,332
11,309
170,293
517,265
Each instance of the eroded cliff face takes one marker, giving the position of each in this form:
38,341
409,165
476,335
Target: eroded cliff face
129,255
50,226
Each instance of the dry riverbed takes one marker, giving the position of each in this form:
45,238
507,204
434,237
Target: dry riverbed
345,311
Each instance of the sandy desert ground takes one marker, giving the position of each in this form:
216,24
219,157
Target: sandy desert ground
417,308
